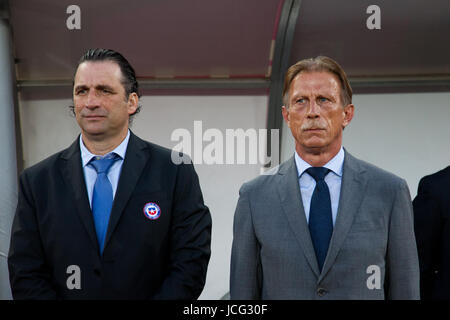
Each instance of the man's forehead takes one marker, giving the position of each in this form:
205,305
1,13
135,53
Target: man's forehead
315,80
98,70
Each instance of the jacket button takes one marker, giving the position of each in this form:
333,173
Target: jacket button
321,292
97,272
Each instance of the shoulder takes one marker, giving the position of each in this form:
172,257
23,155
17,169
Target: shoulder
441,175
47,166
159,156
380,182
269,179
373,172
157,151
136,143
436,180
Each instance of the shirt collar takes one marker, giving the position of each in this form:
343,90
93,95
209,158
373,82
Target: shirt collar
335,164
86,155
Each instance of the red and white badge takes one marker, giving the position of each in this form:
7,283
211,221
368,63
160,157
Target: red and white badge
152,211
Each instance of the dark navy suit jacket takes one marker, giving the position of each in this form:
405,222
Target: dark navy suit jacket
53,228
432,228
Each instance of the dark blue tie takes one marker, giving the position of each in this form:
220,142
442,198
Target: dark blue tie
102,197
320,219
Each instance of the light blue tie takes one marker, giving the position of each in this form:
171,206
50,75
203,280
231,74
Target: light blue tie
102,197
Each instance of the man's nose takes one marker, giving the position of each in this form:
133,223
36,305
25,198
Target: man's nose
92,99
313,109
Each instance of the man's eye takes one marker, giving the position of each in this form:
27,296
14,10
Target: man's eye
301,100
323,99
80,91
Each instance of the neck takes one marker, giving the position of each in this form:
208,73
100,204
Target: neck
317,157
100,145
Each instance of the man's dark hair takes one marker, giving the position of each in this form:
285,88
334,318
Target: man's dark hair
129,81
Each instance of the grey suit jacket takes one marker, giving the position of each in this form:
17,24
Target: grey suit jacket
372,253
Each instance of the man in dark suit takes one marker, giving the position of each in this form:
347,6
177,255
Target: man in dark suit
324,224
432,228
110,217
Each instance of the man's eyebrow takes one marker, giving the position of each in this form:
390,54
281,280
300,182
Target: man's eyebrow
81,86
97,87
326,95
104,86
297,96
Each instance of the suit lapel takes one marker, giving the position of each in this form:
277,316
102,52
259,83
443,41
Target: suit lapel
291,202
73,176
353,188
133,164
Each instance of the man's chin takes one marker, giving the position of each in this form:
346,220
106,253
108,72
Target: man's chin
94,132
314,147
315,143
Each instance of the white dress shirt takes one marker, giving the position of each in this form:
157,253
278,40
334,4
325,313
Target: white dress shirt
90,175
333,179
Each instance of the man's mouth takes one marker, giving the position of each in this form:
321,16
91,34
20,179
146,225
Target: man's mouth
314,129
93,116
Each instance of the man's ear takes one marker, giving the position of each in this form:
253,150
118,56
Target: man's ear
285,113
348,114
133,102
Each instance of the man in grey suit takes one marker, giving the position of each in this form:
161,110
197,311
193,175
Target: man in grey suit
324,225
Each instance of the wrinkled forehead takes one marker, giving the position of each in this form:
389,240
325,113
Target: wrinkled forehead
315,83
98,72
